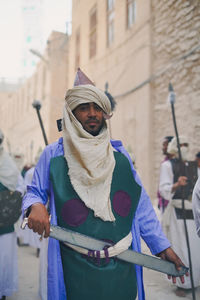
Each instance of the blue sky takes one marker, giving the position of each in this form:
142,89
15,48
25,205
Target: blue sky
56,13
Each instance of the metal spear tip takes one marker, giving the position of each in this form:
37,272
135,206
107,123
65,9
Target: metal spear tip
172,95
106,86
36,104
170,88
110,97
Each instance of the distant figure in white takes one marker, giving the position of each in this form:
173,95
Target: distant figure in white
196,205
172,185
10,180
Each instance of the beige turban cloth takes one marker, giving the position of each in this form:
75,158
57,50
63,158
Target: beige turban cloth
90,158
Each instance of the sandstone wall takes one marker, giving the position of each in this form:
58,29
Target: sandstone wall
176,54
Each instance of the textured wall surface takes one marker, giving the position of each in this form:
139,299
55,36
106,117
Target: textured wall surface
162,46
48,84
176,57
124,64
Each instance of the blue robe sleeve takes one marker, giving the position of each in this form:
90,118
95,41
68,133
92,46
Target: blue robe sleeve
39,190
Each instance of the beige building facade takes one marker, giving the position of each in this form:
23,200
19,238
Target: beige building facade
19,120
138,47
176,59
123,59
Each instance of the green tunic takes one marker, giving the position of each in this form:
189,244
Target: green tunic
5,229
85,277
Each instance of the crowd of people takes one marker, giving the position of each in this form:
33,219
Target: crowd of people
91,187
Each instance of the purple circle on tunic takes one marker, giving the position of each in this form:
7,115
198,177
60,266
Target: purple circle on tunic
122,203
74,212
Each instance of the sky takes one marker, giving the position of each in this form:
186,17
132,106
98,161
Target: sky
55,15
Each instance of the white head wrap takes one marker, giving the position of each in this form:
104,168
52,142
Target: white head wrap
90,158
9,173
173,148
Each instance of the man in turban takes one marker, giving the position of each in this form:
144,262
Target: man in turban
177,181
94,190
162,203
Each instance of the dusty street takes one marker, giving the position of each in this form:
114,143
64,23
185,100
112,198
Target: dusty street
158,287
28,275
156,284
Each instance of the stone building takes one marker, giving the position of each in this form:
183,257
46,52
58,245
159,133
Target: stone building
111,42
176,59
138,47
19,119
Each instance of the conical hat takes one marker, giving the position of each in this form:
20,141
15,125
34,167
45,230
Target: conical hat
81,78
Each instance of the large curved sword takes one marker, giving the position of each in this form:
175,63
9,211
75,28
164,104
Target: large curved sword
84,241
77,239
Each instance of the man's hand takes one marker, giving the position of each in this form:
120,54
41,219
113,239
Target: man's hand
170,255
182,181
38,219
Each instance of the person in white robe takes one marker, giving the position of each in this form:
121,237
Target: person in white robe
173,223
10,179
196,205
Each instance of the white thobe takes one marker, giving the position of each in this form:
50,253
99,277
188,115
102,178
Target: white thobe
196,205
174,228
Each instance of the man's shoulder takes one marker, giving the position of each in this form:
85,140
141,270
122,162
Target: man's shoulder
116,143
166,166
55,148
167,162
56,144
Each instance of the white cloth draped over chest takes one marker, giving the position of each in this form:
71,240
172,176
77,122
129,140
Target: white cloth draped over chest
90,158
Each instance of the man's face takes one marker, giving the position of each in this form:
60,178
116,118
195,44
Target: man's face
198,161
164,147
90,115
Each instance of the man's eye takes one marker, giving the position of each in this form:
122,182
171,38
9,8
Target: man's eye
98,108
83,108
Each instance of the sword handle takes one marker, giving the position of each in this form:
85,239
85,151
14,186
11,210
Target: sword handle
24,223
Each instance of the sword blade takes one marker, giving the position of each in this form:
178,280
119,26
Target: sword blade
130,256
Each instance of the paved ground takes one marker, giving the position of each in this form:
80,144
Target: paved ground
28,275
157,286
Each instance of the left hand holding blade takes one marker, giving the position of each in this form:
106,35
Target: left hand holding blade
170,255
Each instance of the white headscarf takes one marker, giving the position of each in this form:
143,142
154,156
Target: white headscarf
90,158
8,171
173,148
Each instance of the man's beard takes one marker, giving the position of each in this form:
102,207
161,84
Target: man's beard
96,131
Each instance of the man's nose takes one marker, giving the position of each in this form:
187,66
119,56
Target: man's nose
92,111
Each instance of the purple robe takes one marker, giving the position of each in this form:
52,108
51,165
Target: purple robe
145,223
